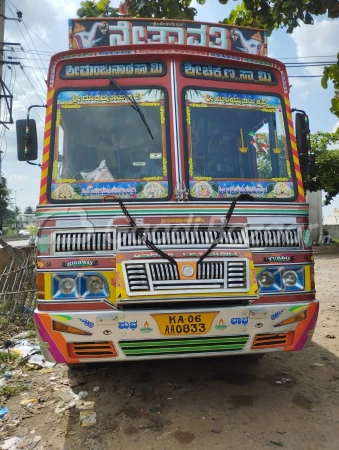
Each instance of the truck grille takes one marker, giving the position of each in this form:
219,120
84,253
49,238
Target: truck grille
274,238
163,277
84,242
185,237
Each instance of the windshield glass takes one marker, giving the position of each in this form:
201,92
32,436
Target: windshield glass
102,147
236,144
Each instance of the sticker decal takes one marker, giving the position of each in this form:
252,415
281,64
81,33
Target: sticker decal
221,325
79,262
62,317
279,258
276,314
125,325
238,321
146,328
87,323
298,308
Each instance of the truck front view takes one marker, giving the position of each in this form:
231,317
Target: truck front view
172,216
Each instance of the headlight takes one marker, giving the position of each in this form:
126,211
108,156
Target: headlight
266,279
95,284
67,285
290,278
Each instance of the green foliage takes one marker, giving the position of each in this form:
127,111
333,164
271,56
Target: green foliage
272,14
332,73
169,9
326,173
29,210
97,9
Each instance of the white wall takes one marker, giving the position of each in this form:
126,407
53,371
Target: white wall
316,220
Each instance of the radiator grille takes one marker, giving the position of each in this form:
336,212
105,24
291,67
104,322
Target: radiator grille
187,237
274,238
137,277
155,277
84,242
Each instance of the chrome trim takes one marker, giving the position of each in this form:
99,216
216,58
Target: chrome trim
232,281
172,238
81,238
175,121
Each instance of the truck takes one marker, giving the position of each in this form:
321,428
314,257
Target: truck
172,219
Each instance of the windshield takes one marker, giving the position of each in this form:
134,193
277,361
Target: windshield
102,147
236,144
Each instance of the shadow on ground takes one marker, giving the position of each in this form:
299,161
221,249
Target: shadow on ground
287,400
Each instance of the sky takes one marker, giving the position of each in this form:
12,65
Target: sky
44,31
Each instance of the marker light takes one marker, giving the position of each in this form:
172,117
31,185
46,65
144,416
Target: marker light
63,328
290,278
95,284
297,318
67,285
266,279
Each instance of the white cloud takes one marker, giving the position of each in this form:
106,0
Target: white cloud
304,94
320,39
335,127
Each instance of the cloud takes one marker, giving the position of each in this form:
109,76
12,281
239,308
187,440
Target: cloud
335,127
320,39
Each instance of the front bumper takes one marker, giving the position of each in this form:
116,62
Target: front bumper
137,334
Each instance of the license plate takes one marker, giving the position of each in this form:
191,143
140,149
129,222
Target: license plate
188,323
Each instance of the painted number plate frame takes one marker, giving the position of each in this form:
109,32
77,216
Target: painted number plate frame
185,324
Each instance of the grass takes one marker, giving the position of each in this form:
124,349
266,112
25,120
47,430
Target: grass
8,356
336,241
12,389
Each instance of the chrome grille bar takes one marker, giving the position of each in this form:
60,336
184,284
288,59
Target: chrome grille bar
84,242
274,238
183,237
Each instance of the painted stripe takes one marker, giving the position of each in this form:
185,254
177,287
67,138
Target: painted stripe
295,155
197,349
179,342
46,149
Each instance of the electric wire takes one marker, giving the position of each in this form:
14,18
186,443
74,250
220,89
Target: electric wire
33,57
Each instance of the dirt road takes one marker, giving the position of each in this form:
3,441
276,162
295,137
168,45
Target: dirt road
286,401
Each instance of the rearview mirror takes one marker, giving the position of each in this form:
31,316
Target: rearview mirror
302,130
23,139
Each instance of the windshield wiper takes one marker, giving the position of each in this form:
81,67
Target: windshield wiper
140,233
241,197
134,105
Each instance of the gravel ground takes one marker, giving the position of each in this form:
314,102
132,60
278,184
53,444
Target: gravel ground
286,400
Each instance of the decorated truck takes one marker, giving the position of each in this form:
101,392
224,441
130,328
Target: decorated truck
172,215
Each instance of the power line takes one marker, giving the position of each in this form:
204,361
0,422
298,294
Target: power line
305,76
28,47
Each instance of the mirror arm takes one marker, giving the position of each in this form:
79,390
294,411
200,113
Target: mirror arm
27,136
33,164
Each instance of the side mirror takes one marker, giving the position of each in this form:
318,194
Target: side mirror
302,130
30,140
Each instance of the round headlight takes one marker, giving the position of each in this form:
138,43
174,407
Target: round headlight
67,285
95,284
266,279
290,278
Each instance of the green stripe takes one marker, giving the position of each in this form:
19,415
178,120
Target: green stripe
184,341
170,211
200,348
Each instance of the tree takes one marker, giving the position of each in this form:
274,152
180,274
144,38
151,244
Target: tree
273,14
326,173
29,210
169,9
